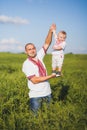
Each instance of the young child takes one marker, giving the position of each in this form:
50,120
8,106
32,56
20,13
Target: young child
58,52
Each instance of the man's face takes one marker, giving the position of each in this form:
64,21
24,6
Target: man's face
31,51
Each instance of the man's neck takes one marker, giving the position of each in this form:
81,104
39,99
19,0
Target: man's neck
34,58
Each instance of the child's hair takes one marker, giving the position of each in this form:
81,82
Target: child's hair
63,32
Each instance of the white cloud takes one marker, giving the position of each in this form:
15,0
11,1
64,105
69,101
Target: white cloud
21,48
12,20
11,45
9,41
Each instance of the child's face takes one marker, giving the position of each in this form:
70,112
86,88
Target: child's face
61,37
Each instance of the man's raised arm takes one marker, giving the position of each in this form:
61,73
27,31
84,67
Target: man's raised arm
48,39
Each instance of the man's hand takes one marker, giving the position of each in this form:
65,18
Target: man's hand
48,39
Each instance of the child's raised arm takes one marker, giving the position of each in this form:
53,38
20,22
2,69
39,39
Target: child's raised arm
55,35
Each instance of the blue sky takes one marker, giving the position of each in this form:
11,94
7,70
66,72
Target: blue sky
23,21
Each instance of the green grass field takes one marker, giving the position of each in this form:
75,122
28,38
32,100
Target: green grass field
68,110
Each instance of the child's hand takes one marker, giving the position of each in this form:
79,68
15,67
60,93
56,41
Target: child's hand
53,27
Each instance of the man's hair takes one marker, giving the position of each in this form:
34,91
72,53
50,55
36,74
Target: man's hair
28,44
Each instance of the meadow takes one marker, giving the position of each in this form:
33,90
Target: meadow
68,109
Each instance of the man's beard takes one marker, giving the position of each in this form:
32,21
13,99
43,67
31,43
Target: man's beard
32,56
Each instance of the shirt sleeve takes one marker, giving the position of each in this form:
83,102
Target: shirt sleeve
63,45
28,70
41,53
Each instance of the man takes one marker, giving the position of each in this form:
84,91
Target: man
36,73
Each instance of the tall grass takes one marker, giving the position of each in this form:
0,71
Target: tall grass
68,109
